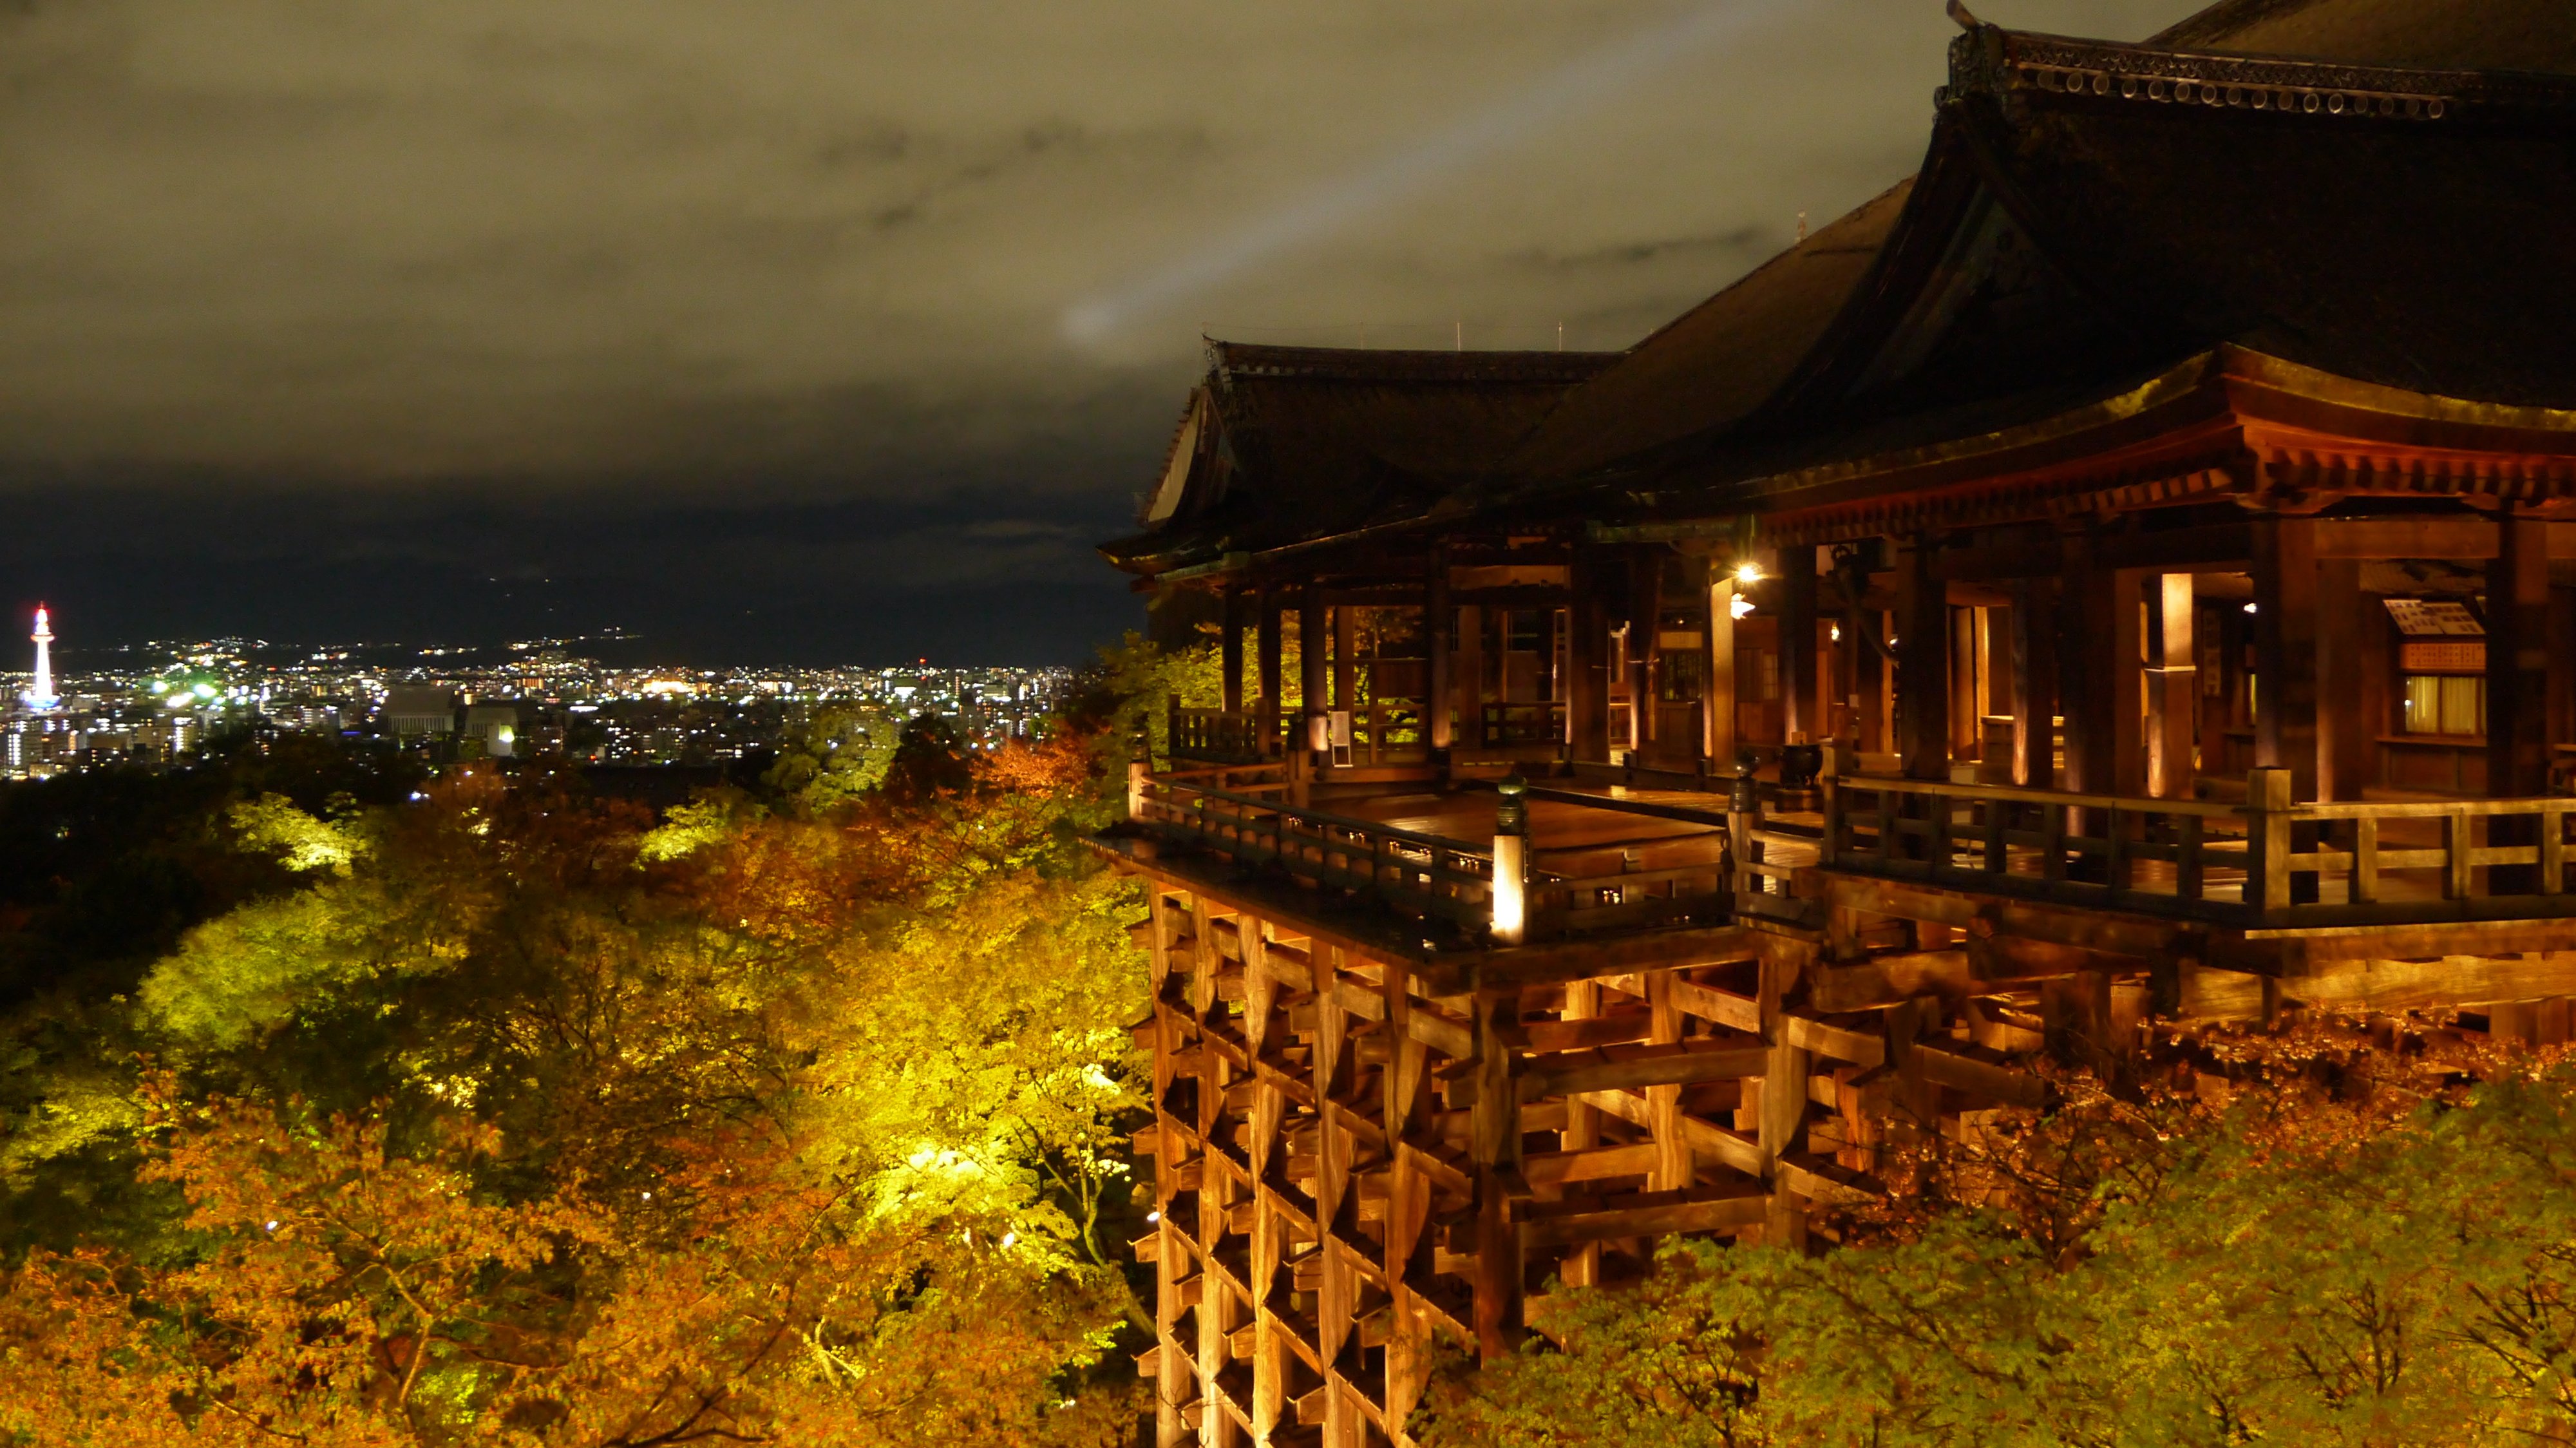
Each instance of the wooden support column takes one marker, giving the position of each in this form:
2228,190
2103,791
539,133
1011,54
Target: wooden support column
2518,659
1313,655
2344,727
2033,651
1230,651
1967,701
1437,622
1798,686
2519,685
1408,1200
1469,685
1717,685
1582,1264
1175,1374
1922,664
1273,687
2172,691
2099,673
2285,679
1645,613
1672,1171
2285,649
1335,1194
1495,1148
1345,656
1782,1127
1587,681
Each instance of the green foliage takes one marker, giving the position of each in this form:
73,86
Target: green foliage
839,756
2301,1268
819,1108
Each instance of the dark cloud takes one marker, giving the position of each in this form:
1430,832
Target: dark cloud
312,315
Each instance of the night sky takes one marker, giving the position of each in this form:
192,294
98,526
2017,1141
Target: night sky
815,333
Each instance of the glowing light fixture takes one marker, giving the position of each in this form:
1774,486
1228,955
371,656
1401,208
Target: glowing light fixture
1739,606
1748,572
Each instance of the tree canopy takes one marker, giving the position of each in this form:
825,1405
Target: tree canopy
492,1110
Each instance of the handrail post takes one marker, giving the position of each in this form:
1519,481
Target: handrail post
2267,836
1830,802
1743,816
1510,919
1140,772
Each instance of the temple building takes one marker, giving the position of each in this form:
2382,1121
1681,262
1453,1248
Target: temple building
2117,584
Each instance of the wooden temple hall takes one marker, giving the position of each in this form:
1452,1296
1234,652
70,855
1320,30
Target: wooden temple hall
2118,582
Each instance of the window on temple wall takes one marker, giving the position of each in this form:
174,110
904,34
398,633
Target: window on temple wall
2446,704
2442,659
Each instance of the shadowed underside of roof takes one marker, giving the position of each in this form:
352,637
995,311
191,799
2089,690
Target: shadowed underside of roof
1719,360
2438,34
1320,441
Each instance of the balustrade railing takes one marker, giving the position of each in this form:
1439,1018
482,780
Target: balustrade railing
1216,734
2265,863
1514,724
1239,812
1420,875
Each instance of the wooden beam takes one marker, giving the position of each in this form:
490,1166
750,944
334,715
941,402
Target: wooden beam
1861,1048
1634,1068
1741,1013
1971,1068
1555,1168
1739,1209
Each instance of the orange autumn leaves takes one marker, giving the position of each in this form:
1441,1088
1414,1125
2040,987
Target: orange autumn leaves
506,1128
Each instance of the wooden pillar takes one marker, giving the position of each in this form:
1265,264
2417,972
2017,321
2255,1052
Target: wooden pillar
1231,651
1272,685
1967,701
1922,664
1345,656
1312,656
1467,685
1582,1132
2343,725
2518,660
2519,670
2033,650
1717,684
1781,1127
1437,622
1798,688
2285,649
1587,673
2173,695
1495,1148
1645,613
2098,673
1337,1294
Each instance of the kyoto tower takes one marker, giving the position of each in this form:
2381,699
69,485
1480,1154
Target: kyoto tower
41,695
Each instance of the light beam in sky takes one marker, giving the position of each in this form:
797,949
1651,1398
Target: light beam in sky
1392,179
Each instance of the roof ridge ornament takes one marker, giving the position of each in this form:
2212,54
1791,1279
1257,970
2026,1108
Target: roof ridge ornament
1960,13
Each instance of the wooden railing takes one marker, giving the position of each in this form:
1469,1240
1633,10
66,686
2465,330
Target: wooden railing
1389,732
2266,863
1419,875
1509,724
1630,900
1239,812
1216,734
